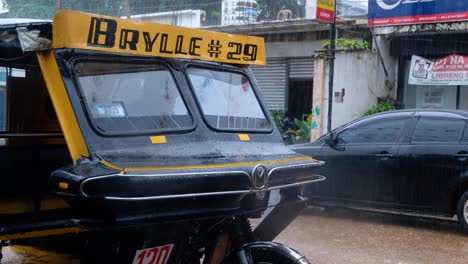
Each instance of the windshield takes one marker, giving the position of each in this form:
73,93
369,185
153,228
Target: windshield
227,100
124,98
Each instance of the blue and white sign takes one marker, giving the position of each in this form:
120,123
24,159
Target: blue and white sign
402,12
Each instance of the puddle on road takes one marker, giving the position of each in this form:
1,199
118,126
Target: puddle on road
328,236
31,255
358,237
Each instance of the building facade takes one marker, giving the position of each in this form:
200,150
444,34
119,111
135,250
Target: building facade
185,18
291,81
432,45
236,12
431,58
286,82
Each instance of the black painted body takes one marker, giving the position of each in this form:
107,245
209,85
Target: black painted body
418,177
148,192
130,193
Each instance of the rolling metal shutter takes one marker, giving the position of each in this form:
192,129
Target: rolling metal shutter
272,82
301,68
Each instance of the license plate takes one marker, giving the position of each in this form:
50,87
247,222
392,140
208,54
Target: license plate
155,255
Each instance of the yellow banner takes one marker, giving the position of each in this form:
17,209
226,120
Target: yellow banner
72,29
326,4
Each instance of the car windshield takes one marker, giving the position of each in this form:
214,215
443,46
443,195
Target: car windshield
228,100
124,98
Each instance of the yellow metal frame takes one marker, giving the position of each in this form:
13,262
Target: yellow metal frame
42,233
62,105
111,34
208,166
21,206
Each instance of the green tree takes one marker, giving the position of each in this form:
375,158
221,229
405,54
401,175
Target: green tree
212,8
45,9
103,7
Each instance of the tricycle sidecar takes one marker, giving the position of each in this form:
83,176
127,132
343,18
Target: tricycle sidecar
123,126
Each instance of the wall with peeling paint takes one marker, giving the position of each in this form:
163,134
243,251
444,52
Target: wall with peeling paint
318,99
362,78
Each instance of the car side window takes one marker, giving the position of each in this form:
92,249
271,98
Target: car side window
3,107
438,130
384,131
465,134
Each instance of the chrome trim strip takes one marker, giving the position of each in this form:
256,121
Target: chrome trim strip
160,175
189,195
321,178
188,173
317,163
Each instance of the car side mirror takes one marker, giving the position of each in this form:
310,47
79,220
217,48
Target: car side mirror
331,141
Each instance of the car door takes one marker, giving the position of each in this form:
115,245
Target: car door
364,159
431,162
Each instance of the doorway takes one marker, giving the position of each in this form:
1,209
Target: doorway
299,98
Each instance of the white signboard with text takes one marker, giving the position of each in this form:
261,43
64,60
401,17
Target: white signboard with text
449,70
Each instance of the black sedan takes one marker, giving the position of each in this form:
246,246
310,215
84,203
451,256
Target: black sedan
412,161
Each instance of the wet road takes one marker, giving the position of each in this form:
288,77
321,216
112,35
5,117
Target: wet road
339,236
35,255
347,236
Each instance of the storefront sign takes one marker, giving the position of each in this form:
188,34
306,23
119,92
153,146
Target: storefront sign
400,12
450,70
102,33
321,10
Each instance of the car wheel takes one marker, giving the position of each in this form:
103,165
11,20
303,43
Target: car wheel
462,212
267,253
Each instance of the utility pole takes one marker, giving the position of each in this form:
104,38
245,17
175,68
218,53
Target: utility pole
127,8
58,5
332,69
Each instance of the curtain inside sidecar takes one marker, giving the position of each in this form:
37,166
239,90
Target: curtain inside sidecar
31,142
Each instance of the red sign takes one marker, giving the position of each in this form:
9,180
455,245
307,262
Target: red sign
321,10
325,15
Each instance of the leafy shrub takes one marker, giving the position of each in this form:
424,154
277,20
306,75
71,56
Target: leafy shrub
352,44
283,123
302,132
380,107
345,45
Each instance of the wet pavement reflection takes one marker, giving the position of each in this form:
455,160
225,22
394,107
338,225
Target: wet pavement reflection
350,236
332,236
35,255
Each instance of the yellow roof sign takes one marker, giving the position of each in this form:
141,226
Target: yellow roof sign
72,29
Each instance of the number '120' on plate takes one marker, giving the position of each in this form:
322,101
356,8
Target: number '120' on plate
155,255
